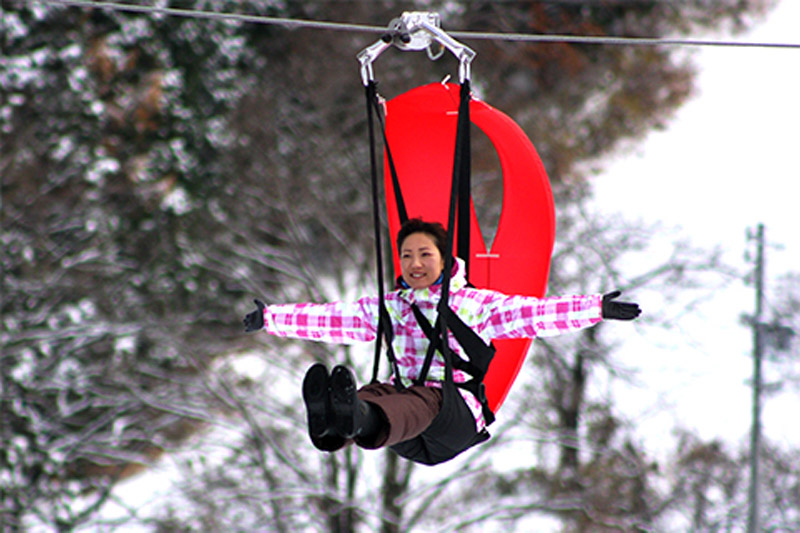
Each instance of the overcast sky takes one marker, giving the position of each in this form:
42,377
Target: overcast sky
728,161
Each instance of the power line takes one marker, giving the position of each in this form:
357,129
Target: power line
363,28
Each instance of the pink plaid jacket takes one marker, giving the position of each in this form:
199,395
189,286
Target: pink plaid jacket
491,314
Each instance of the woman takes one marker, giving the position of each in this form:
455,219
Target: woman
418,416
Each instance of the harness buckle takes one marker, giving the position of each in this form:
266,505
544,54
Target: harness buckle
482,393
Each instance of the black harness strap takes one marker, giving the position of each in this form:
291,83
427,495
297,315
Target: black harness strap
462,165
384,322
464,162
480,355
435,342
402,212
462,132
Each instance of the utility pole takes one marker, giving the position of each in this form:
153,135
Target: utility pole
755,435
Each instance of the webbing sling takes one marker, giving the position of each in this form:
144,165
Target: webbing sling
480,355
384,321
464,172
462,132
464,167
401,205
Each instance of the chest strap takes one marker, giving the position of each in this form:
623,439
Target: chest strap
479,353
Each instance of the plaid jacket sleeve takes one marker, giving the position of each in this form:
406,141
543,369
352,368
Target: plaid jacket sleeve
336,322
509,317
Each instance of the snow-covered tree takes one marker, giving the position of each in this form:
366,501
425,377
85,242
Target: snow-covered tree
158,172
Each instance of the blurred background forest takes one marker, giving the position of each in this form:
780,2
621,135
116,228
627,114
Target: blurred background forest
158,172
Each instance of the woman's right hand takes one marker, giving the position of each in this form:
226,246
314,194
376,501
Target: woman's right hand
255,321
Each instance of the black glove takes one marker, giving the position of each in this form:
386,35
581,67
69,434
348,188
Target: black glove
619,310
255,321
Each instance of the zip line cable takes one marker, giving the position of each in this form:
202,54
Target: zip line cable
466,35
216,15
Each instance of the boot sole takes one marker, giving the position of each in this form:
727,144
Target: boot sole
315,395
343,401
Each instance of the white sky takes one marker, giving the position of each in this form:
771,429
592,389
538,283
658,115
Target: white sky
728,161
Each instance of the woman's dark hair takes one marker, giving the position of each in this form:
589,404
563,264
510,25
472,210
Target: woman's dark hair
433,229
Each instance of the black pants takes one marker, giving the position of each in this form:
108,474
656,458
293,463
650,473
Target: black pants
451,432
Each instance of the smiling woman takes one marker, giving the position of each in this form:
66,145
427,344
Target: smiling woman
422,250
432,409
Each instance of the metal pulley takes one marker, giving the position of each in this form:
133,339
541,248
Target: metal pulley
416,30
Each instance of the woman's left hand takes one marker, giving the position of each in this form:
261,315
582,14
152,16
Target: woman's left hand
619,310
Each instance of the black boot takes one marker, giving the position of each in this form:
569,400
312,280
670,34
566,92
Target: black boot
316,386
351,417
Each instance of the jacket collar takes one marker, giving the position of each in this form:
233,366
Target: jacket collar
458,280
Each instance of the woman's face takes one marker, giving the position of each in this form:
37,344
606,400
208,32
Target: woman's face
420,261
